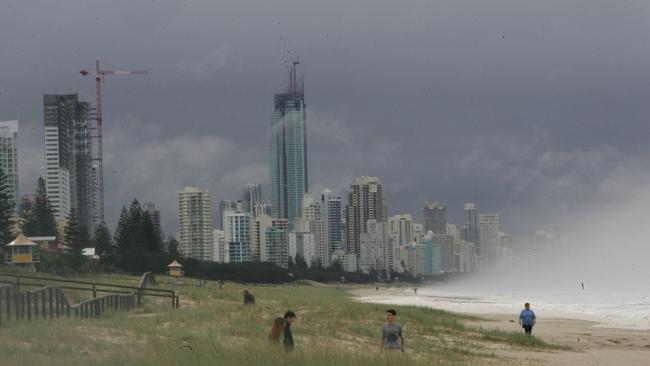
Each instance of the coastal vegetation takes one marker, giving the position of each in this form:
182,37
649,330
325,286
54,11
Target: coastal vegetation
212,326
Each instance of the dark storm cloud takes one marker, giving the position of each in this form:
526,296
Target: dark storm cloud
522,107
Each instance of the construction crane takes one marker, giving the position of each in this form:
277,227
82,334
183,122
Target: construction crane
99,75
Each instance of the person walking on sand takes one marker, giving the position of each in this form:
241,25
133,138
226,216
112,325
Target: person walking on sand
289,317
276,330
392,339
527,319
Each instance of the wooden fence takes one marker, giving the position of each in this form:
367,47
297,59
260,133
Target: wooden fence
49,301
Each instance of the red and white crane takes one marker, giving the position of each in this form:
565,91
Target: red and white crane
99,75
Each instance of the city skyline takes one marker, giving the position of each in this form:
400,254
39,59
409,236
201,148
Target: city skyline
493,104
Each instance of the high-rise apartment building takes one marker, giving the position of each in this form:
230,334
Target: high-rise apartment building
401,226
311,221
448,251
377,249
237,230
434,215
432,255
220,248
303,245
288,152
471,229
9,158
229,205
277,243
365,202
69,177
195,217
252,196
259,252
489,237
332,209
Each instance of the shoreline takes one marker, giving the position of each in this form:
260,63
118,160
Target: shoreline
592,343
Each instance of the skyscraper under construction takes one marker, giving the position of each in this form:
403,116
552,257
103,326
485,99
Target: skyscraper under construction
288,150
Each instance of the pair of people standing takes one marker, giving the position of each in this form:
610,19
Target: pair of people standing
282,326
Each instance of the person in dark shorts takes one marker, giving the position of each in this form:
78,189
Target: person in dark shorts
527,319
289,317
392,339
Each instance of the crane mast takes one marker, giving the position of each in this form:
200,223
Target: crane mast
99,75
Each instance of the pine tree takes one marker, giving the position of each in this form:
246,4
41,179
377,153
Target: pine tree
152,242
173,247
25,211
74,240
136,237
7,206
40,221
104,248
121,232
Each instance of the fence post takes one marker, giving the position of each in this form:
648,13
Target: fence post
43,305
8,299
29,305
50,290
17,284
36,312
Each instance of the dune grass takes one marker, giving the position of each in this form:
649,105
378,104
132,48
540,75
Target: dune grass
213,327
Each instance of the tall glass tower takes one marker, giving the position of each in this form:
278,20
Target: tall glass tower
288,150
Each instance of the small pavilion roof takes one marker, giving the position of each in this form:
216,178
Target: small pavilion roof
175,264
21,240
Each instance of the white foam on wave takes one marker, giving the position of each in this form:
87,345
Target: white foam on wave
608,310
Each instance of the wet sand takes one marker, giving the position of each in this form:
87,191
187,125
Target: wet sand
591,344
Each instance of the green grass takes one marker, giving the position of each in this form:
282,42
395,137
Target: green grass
331,329
520,339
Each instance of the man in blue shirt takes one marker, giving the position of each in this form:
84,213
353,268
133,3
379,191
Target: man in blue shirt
527,319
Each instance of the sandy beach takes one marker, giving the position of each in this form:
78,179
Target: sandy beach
591,343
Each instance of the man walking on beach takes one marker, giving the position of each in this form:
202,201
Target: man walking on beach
289,317
527,319
392,339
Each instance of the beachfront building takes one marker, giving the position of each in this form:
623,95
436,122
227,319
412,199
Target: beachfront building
259,252
332,210
447,251
489,237
195,218
9,158
471,229
414,258
302,245
311,221
365,202
221,248
277,244
347,261
432,256
434,215
377,248
402,227
237,230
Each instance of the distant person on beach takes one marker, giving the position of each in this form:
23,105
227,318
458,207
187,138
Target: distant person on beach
527,319
289,317
276,330
392,339
249,299
416,290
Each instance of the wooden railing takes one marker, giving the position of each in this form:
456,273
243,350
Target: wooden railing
49,301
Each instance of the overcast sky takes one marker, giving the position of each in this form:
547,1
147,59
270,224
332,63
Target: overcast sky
527,108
